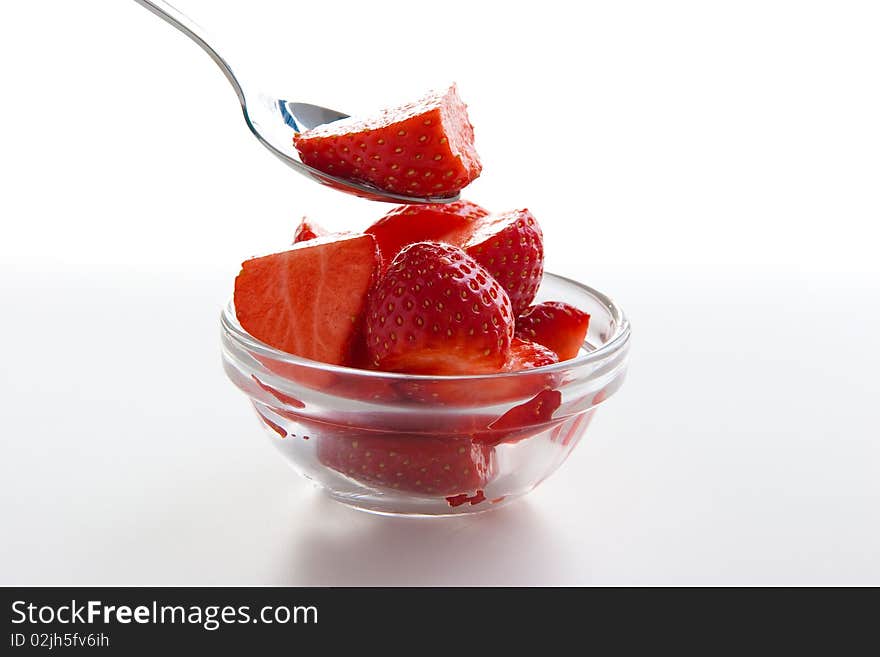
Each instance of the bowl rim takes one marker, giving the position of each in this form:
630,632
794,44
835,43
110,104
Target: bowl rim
616,343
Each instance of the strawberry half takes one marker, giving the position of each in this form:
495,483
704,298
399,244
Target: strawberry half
556,325
511,248
510,245
436,311
441,222
424,148
310,299
308,230
523,355
427,465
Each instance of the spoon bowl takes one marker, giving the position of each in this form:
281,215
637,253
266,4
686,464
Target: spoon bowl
274,121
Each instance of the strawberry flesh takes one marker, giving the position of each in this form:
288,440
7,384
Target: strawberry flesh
436,311
423,148
453,223
556,325
428,465
309,300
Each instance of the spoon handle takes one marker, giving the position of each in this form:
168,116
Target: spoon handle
195,32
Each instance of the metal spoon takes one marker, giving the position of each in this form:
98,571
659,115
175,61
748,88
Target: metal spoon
273,121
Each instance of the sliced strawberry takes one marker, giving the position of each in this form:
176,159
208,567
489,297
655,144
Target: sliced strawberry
523,355
556,325
427,465
310,299
441,222
530,417
436,311
308,230
510,245
523,421
511,248
424,148
526,355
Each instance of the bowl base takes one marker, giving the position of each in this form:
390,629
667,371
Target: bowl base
406,507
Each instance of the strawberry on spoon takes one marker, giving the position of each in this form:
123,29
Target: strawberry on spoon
424,148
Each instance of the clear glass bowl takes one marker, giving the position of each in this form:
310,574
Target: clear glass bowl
431,445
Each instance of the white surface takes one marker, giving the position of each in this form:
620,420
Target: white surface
716,172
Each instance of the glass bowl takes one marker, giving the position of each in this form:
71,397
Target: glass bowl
431,445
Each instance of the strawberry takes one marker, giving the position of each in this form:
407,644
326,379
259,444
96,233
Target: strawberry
308,230
525,355
510,245
424,148
440,222
522,420
511,248
310,299
429,465
436,311
556,325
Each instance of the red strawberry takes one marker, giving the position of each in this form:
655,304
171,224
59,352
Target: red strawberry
442,222
424,148
436,311
522,420
417,464
310,299
556,325
525,355
522,355
510,245
511,248
308,230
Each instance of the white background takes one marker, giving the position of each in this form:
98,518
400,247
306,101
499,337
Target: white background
713,166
